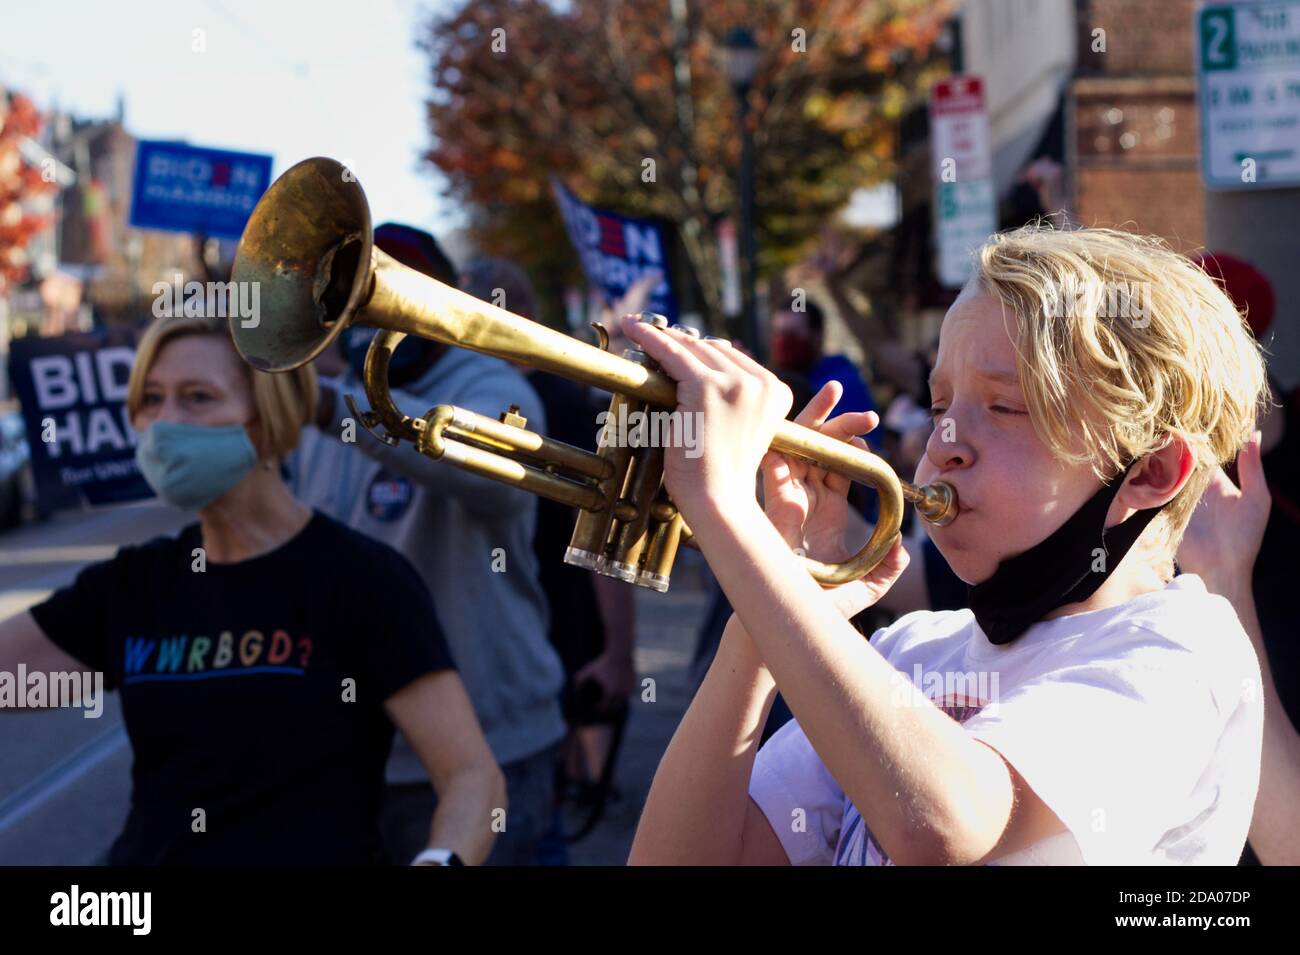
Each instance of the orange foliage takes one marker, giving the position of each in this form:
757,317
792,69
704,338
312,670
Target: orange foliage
19,119
526,89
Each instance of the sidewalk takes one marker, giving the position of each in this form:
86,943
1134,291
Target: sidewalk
667,625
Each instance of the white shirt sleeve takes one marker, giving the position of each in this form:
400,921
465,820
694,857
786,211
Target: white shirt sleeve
799,797
1114,742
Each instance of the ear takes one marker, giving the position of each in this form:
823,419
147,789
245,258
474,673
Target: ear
1157,478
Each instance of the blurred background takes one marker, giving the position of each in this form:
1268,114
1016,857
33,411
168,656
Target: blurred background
746,153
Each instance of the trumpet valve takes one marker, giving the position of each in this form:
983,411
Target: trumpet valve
514,418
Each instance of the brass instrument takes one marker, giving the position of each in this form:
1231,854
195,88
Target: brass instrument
309,246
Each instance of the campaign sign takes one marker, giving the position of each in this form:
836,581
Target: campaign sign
72,390
616,250
182,188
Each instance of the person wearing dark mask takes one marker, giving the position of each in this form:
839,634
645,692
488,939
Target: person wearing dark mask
415,356
471,540
265,653
798,341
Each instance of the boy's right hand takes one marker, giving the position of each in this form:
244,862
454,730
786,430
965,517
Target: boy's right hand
810,508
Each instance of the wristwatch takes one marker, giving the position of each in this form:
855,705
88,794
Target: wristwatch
437,857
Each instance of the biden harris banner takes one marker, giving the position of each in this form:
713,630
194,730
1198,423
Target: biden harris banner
72,390
617,250
181,188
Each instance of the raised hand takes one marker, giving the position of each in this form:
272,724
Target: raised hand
1226,528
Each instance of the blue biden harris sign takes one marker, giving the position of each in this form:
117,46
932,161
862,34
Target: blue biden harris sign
182,188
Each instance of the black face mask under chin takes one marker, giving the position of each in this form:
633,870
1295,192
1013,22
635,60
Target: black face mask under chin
1057,571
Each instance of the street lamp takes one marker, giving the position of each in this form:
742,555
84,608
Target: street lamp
740,61
741,58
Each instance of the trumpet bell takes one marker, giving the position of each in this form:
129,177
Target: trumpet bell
307,245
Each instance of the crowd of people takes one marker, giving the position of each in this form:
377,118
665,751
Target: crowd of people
358,654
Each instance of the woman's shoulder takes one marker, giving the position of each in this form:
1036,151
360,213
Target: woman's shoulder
134,568
157,550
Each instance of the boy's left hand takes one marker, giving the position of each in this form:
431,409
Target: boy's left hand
810,507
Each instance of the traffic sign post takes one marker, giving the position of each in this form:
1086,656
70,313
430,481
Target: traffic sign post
965,200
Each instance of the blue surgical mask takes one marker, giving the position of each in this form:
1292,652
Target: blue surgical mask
191,465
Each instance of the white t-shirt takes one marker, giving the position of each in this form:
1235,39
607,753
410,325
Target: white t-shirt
1139,725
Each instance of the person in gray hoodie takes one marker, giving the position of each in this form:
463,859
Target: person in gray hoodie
471,539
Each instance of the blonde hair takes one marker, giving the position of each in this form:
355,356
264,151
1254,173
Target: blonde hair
284,402
1123,342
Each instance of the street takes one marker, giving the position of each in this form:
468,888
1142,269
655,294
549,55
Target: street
65,779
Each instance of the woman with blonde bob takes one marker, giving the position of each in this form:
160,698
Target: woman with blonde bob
265,653
1090,705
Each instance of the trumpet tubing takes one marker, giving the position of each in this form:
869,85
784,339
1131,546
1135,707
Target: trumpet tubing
309,245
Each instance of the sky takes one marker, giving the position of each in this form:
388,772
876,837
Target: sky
291,78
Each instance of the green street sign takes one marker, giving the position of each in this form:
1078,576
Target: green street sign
1218,39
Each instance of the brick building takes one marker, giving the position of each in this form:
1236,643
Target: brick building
1126,129
118,263
1133,142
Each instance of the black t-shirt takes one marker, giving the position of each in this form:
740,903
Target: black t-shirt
234,694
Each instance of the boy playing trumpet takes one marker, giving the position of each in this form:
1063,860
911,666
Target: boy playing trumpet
1088,385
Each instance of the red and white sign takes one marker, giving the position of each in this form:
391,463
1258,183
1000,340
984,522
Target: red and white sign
965,200
959,127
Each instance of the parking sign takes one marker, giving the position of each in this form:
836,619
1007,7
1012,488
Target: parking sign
1248,71
965,198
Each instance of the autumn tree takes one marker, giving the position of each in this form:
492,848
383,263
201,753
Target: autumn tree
591,90
19,183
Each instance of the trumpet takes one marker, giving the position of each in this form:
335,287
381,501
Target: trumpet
309,246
